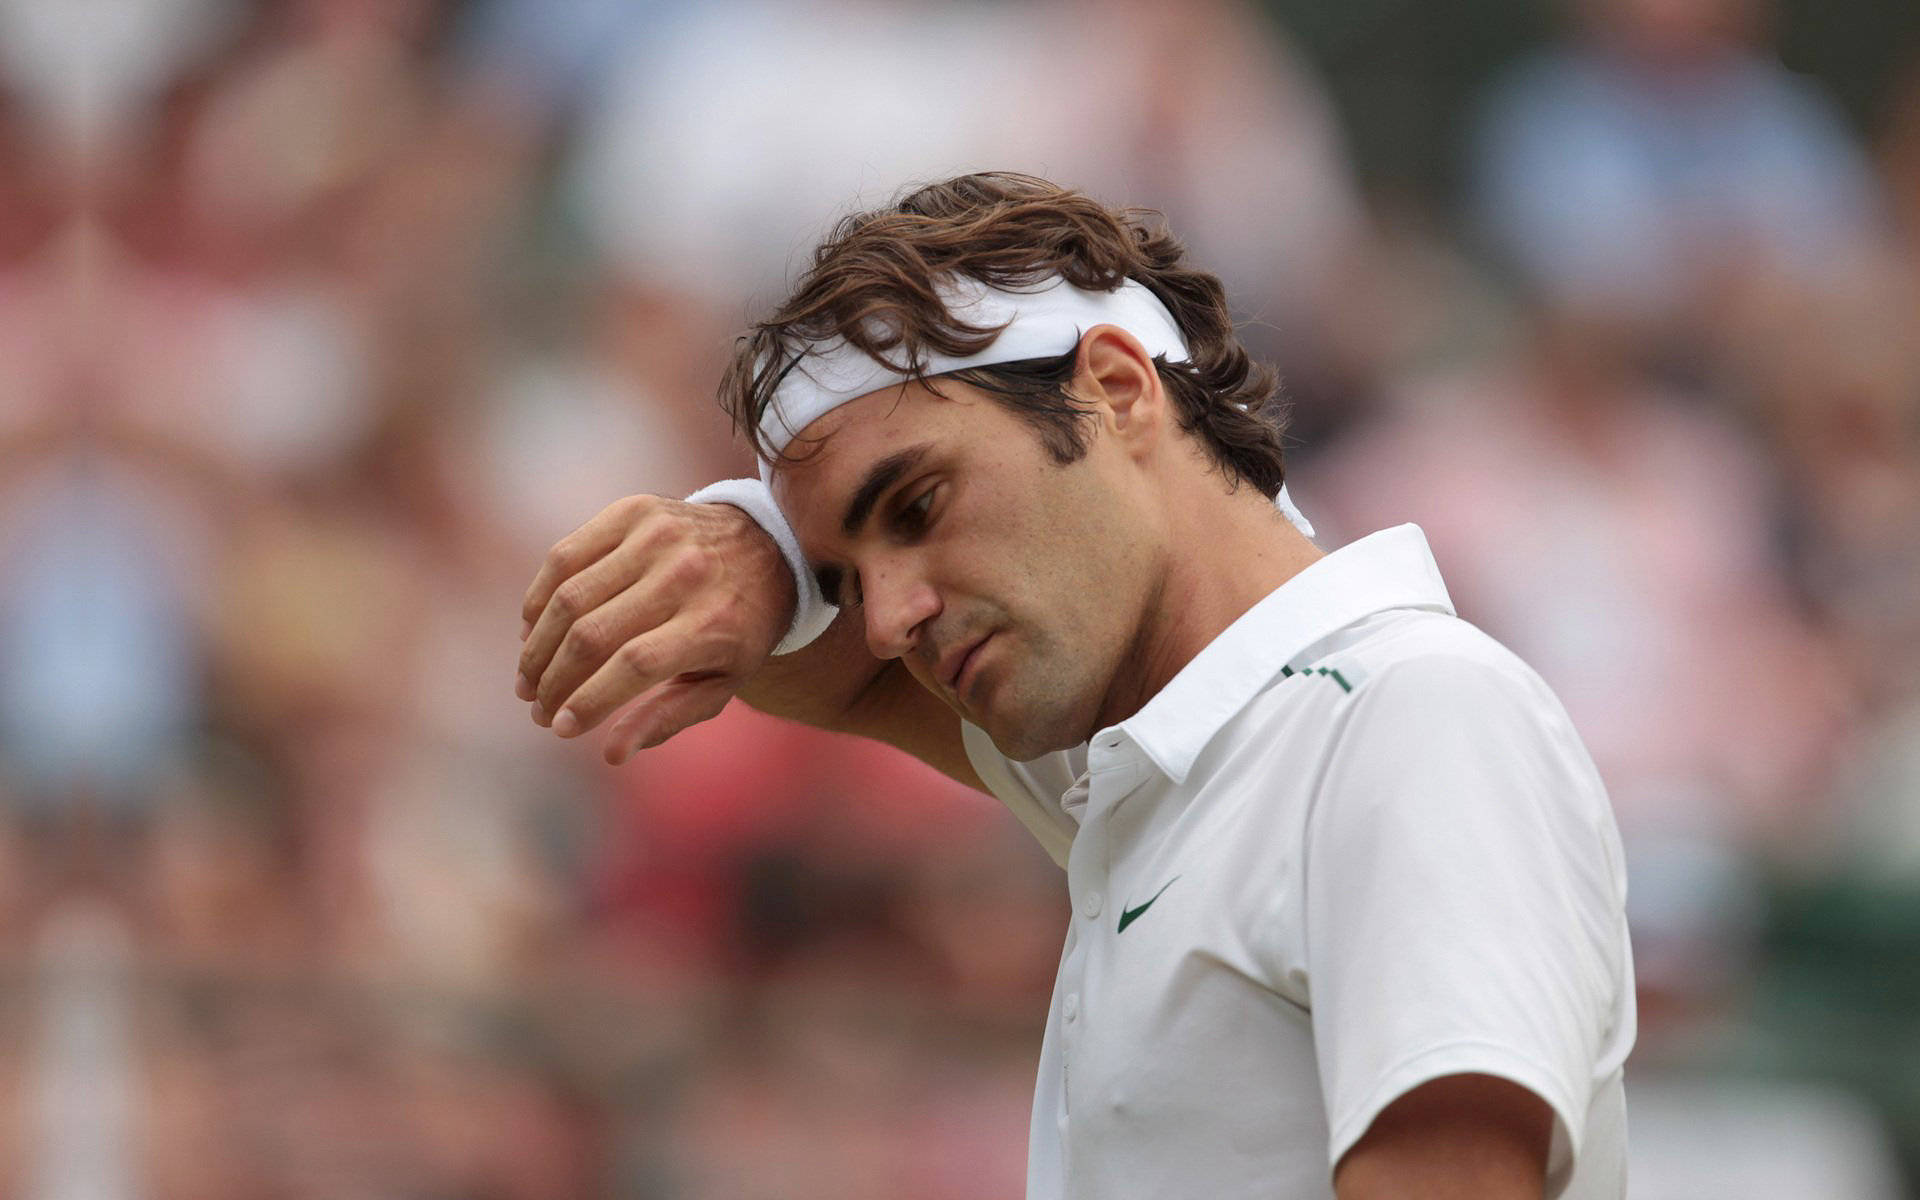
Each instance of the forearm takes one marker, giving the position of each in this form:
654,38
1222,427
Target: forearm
821,684
837,684
669,609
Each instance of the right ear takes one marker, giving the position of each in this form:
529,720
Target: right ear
1114,373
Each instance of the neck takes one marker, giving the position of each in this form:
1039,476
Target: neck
1225,553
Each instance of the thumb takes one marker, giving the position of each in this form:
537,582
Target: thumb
665,711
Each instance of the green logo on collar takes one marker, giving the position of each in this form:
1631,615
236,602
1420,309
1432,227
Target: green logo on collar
1130,915
1330,673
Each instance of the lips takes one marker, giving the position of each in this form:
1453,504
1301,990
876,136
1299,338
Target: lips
954,668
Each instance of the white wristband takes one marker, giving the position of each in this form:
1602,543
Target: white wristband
811,613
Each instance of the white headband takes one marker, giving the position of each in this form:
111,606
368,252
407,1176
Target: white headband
1043,322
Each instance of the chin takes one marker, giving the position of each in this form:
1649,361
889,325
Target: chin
1026,736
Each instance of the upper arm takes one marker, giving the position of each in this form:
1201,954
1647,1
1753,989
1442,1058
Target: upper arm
1462,908
1461,1137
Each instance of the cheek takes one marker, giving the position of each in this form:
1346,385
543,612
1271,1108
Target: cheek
1058,554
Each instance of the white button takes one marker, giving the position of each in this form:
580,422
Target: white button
1070,1007
1091,904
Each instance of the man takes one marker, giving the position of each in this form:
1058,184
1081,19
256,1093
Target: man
1348,900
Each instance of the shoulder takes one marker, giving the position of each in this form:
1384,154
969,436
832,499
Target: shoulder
1410,657
1429,655
1407,690
1447,730
1445,676
1426,704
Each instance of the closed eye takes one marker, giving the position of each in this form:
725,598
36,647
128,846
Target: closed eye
832,580
908,521
914,517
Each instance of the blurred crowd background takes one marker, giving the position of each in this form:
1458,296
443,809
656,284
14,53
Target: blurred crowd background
320,320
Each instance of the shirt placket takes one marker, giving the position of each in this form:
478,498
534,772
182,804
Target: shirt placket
1115,768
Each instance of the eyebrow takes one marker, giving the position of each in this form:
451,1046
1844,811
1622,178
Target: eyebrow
881,476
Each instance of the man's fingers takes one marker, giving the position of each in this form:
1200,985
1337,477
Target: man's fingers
643,663
579,599
650,596
627,627
671,707
579,550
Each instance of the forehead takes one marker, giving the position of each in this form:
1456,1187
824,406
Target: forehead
833,453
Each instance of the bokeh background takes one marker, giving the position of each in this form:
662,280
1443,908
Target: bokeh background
321,319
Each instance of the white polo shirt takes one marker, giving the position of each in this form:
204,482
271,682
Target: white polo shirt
1353,846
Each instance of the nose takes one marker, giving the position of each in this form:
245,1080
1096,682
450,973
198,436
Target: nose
898,602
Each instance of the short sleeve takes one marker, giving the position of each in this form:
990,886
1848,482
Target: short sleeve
1030,790
1464,902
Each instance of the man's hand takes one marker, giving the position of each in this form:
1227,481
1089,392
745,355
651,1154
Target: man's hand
677,604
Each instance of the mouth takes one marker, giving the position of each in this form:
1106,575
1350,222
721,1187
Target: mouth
953,672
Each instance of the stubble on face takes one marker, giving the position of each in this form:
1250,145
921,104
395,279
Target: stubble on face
1044,559
1077,643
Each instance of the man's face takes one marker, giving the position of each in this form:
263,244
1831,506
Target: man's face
1011,586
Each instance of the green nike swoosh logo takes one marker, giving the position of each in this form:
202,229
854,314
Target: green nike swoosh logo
1130,915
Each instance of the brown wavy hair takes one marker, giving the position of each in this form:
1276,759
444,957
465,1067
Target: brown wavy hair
873,284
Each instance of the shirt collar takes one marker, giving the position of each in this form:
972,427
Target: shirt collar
1390,569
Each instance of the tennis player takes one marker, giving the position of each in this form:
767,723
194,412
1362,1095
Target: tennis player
1347,893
